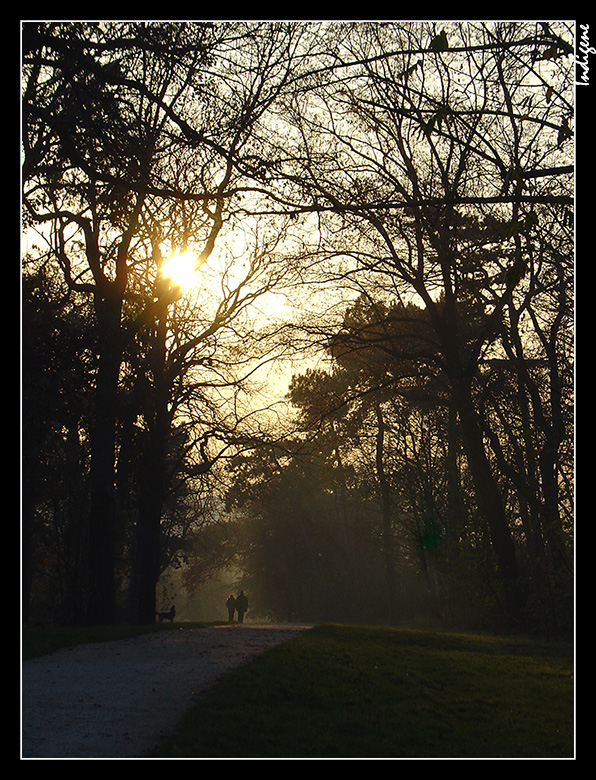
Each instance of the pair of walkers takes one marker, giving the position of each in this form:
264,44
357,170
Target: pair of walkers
239,605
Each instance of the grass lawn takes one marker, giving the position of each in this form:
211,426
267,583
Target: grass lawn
364,692
353,692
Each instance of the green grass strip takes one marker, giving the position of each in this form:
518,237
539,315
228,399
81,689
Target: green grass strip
354,692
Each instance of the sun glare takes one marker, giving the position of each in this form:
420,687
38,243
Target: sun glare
181,269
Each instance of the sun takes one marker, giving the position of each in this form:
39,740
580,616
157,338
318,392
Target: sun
181,269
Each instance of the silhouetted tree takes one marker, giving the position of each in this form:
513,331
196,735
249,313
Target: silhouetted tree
414,131
422,172
57,366
124,130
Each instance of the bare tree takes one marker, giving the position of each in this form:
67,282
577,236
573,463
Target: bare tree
133,134
436,159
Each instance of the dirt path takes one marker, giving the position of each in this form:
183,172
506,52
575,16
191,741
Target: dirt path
118,699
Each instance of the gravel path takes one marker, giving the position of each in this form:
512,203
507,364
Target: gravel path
118,699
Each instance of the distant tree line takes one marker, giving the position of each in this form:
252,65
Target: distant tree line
371,511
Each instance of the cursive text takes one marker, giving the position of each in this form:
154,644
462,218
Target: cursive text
584,50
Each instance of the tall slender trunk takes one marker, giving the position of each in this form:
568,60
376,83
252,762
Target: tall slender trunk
341,498
101,601
109,294
385,495
153,488
27,535
148,537
491,504
460,369
102,514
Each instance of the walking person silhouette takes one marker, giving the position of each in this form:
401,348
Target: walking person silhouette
241,606
231,605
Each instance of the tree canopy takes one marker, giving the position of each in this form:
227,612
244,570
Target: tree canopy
385,206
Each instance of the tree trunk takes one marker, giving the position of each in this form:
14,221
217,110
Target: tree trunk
448,326
491,505
151,500
28,513
101,602
148,549
152,492
385,495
